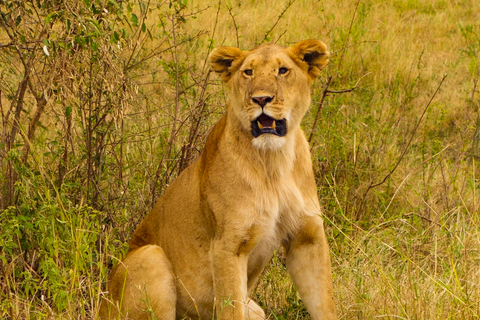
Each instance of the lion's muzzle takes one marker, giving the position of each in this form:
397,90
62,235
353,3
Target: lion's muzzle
266,124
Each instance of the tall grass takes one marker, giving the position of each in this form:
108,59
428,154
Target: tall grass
94,131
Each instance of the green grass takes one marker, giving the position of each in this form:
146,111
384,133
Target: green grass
129,103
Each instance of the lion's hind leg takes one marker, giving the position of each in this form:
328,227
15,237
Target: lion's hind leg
142,287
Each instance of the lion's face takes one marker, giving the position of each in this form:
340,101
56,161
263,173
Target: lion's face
270,86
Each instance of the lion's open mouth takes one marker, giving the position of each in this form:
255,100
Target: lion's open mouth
266,124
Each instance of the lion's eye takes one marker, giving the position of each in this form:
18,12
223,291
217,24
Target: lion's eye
248,72
282,70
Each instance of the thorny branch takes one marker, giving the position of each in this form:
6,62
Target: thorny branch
289,4
229,8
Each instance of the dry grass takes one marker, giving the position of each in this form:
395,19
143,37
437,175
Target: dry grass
408,248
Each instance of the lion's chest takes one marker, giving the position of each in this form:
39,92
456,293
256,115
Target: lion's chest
277,215
278,208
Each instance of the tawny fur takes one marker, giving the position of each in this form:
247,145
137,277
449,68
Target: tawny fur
203,246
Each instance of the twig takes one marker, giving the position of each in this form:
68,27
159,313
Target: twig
407,215
348,36
475,82
41,103
234,24
350,89
278,19
472,97
278,39
17,105
195,126
137,30
3,133
320,107
404,152
333,53
11,44
210,47
154,52
411,138
326,91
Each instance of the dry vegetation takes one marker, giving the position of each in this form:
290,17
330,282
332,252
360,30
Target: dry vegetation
104,102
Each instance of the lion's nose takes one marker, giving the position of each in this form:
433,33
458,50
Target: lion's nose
262,100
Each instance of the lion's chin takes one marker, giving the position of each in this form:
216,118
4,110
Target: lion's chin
269,142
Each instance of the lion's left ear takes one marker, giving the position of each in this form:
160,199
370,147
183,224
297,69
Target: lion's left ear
311,55
225,61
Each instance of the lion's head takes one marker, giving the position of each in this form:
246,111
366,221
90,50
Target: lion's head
270,86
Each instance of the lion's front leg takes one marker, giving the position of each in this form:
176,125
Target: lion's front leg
308,263
229,279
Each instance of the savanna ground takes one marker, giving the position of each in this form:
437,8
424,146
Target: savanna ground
104,102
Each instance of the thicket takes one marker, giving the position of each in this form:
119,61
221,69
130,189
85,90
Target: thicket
101,108
104,102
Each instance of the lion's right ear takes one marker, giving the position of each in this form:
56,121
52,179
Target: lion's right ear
311,53
225,61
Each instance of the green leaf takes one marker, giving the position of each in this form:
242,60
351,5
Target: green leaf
49,17
134,19
95,10
18,20
115,37
94,46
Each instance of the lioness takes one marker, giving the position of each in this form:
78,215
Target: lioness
203,246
